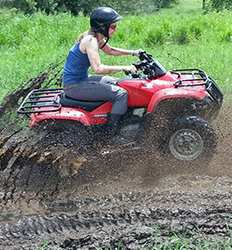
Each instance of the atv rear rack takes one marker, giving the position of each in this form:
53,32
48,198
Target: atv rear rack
199,75
41,100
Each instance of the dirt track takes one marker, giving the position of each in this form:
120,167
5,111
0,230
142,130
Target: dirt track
107,200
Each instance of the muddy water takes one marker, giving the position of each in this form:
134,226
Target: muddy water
100,201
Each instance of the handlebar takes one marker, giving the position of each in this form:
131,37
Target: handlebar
143,55
148,66
129,73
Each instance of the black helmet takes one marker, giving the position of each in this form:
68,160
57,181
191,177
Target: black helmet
101,19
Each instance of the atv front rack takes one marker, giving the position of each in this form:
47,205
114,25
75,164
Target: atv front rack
198,75
41,100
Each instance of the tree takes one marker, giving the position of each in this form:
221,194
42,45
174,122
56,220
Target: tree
203,4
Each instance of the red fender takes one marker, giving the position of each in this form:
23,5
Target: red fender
97,116
174,93
70,113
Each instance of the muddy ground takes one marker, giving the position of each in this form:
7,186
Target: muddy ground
76,197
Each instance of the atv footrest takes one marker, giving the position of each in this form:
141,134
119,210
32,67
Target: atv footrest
41,100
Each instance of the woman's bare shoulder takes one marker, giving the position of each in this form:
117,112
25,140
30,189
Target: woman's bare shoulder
89,38
88,41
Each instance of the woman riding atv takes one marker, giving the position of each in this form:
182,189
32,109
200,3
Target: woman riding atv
85,53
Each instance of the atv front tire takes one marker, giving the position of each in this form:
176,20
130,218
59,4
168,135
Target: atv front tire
191,139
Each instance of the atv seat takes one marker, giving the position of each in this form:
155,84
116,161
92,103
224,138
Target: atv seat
86,105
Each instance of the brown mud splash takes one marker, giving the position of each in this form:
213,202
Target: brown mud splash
40,161
56,191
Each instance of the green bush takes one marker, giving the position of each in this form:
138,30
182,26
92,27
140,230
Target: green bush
181,35
225,34
154,37
195,30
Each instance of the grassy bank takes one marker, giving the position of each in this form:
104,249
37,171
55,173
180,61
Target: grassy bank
193,241
179,39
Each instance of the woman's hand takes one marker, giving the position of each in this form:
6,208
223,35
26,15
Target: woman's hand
131,69
136,52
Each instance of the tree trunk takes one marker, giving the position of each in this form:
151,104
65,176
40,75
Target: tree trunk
203,4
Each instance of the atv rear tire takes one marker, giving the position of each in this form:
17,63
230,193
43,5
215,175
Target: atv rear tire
191,139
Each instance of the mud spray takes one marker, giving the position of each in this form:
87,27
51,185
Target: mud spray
60,189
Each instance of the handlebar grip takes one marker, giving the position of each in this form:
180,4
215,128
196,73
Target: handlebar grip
127,72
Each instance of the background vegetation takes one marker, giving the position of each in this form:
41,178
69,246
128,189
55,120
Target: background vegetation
219,4
179,37
85,6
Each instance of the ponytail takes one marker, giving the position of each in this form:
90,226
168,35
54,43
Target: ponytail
82,35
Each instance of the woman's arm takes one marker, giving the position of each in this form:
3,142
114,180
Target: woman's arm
118,52
91,48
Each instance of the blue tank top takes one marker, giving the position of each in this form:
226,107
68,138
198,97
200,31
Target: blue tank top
76,66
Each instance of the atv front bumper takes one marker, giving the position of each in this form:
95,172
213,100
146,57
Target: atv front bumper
210,106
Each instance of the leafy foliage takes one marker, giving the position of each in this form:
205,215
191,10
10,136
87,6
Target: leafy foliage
219,4
29,43
86,6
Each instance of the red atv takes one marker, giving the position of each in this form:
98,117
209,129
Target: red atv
172,108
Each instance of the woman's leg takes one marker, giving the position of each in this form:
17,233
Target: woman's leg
98,88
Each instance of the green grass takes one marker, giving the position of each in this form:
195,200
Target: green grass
44,245
186,7
190,240
197,242
28,44
172,241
